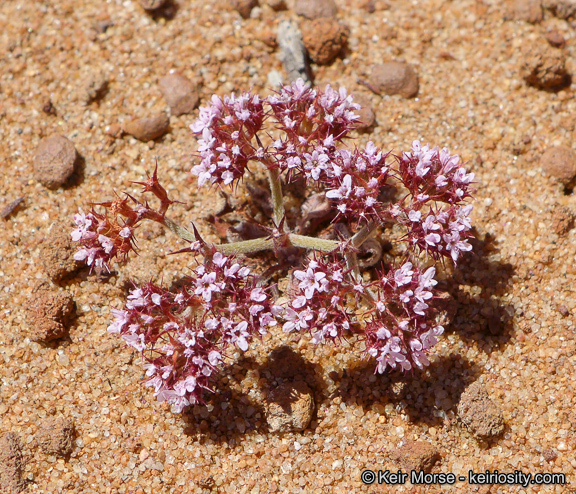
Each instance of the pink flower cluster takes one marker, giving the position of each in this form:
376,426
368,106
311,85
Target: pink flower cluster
225,129
355,182
400,332
102,239
312,123
310,120
320,303
441,233
434,175
434,212
183,335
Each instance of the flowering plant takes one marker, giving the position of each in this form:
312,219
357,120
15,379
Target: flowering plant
183,335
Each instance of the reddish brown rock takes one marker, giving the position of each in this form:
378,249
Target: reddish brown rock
49,314
555,38
394,78
289,407
11,464
560,163
55,161
416,455
315,9
56,436
57,253
544,67
180,93
527,11
244,7
479,413
324,39
148,128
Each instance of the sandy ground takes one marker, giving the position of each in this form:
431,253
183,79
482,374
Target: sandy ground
508,331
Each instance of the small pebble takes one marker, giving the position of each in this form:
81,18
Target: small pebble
527,11
48,107
479,413
56,436
563,9
55,161
11,208
564,311
520,144
48,315
315,9
366,113
549,454
293,52
103,24
11,464
180,93
372,6
394,78
148,128
152,4
57,253
416,455
244,7
114,130
562,220
555,38
268,37
560,163
544,67
324,39
94,88
276,5
289,407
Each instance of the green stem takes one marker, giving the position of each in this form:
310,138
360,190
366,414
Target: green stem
363,234
276,194
246,246
352,259
352,264
313,243
257,244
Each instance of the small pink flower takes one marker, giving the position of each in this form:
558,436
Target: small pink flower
258,295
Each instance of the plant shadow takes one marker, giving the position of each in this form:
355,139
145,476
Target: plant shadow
477,314
425,395
237,406
78,175
480,281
